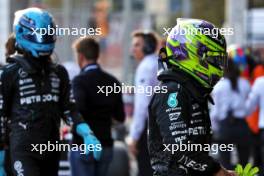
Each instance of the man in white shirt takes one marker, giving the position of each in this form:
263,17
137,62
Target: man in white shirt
143,50
256,99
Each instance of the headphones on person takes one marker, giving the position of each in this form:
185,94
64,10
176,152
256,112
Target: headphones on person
150,43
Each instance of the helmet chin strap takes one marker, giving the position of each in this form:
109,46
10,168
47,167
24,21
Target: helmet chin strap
214,79
162,64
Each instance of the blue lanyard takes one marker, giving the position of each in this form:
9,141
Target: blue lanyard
90,67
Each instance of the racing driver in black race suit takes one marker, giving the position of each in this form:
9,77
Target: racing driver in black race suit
35,95
189,66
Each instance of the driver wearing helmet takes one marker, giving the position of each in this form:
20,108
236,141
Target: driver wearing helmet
179,122
35,96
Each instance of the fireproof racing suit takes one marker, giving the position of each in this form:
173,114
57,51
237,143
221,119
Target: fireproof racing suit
176,118
35,95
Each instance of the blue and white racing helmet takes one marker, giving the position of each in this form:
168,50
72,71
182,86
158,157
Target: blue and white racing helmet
31,28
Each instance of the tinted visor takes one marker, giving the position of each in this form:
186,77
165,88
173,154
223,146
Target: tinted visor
217,59
40,38
45,35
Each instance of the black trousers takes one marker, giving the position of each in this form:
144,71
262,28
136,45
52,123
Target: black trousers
262,151
243,152
31,164
256,150
143,159
235,131
7,163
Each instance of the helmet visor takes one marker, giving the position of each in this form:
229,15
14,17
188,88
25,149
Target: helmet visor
37,35
40,38
217,59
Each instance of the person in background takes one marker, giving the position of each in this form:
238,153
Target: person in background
10,45
4,153
144,46
229,111
10,50
253,118
256,102
97,108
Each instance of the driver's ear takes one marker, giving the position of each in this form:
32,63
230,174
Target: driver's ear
81,57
